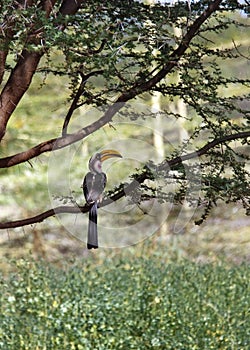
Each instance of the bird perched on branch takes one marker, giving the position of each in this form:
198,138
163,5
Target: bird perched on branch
93,186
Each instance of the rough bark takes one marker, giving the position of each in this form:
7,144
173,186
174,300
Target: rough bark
21,76
3,56
17,85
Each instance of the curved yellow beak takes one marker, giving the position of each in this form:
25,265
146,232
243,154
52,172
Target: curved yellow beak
109,153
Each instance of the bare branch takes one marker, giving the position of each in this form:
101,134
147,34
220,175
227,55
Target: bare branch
61,142
238,51
78,94
205,149
166,165
39,217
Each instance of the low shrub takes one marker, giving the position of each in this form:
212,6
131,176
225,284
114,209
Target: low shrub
125,304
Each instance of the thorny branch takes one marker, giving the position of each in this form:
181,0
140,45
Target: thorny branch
135,90
166,165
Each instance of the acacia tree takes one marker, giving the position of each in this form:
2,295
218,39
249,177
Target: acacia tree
133,48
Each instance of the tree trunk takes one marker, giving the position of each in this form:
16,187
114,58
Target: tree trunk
21,76
17,84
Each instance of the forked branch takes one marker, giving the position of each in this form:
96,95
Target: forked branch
74,104
127,95
129,188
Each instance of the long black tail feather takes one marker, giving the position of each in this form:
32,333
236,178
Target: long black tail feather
92,242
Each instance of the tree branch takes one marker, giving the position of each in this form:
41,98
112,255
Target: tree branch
78,94
166,165
7,28
205,149
174,57
90,51
137,89
61,142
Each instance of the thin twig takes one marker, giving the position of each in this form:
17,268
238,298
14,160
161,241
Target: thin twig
238,51
74,104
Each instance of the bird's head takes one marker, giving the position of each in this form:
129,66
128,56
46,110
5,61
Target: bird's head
95,162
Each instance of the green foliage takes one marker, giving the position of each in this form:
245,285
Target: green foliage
118,46
125,304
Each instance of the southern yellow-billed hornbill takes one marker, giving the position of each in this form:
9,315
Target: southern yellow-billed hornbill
93,186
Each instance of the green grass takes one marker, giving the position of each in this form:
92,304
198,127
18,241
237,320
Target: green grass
125,302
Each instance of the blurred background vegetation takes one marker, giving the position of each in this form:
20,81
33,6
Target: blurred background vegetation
225,232
185,286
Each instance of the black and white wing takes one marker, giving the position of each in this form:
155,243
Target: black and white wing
93,186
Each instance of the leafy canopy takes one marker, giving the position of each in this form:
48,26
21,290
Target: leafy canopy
112,52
